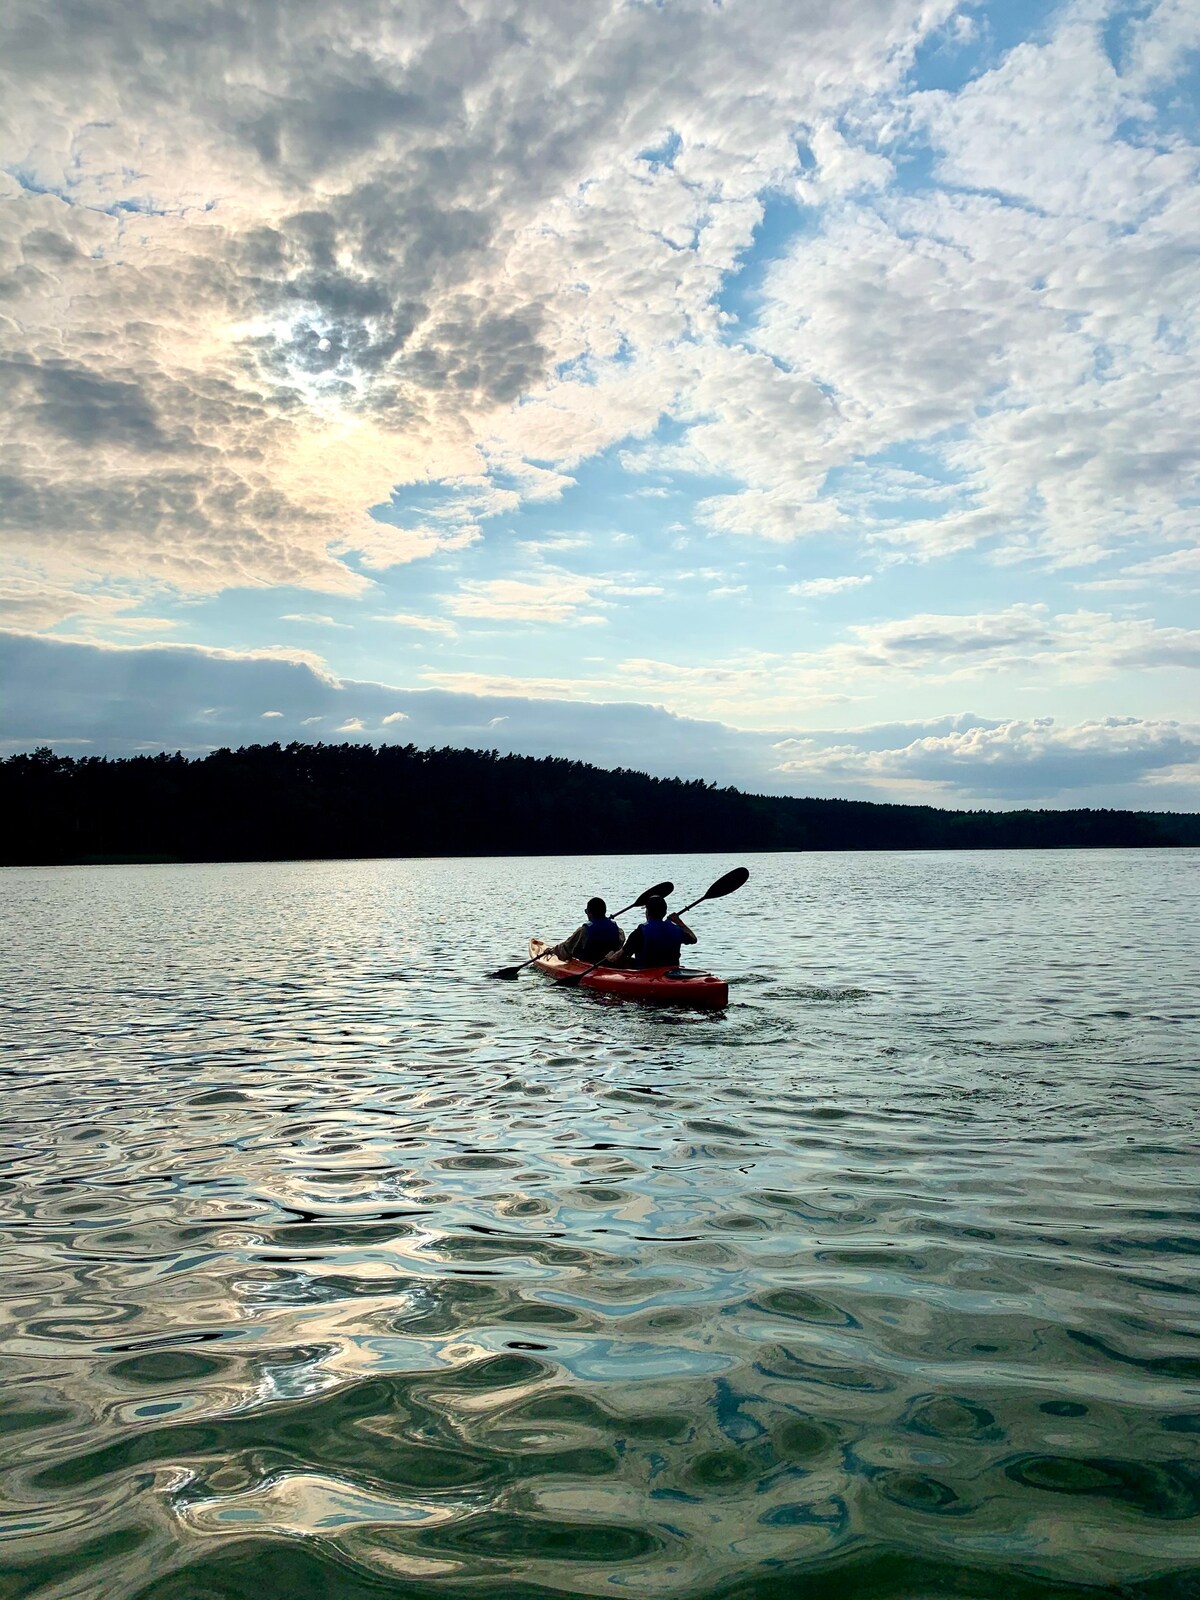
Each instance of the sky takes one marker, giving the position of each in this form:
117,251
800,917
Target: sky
798,395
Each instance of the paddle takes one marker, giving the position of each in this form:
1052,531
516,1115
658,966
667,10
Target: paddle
663,889
723,886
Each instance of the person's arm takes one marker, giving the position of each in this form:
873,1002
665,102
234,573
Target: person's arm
566,950
628,950
688,936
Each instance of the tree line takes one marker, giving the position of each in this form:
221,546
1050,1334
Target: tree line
276,802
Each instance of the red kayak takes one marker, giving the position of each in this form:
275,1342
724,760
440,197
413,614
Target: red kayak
671,986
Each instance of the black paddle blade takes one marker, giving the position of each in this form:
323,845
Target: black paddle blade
662,889
726,885
506,972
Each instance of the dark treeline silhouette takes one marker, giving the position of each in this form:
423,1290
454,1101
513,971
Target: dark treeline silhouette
271,802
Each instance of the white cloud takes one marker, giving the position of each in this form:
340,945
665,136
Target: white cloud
420,624
750,688
546,597
352,725
394,717
1088,643
555,542
818,588
380,546
32,597
1015,760
493,684
1020,645
1001,323
1169,570
550,597
778,515
272,713
314,619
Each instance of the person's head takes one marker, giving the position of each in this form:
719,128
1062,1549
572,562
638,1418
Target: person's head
656,908
596,907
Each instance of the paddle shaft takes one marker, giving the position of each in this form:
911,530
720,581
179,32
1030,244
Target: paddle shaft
691,907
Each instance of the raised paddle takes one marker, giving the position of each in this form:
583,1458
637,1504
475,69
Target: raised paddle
723,886
663,889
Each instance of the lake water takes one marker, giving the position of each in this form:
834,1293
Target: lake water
330,1268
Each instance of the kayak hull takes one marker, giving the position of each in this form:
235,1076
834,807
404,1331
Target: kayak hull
651,985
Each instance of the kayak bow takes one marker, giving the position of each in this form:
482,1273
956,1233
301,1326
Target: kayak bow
672,986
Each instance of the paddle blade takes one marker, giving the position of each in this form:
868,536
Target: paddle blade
506,972
726,885
661,889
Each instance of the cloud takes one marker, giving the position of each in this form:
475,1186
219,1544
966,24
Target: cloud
1169,569
762,688
991,317
1020,637
415,262
272,713
818,588
118,699
380,546
312,260
313,619
505,685
560,541
931,640
183,698
546,597
418,623
29,599
1015,761
1021,644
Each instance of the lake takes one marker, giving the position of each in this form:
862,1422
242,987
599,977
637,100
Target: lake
331,1268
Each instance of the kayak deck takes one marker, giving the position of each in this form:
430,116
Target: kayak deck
672,986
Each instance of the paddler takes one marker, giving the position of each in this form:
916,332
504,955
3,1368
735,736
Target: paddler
657,942
594,938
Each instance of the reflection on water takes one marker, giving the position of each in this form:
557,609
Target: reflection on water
331,1268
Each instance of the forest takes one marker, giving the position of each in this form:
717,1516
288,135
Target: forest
277,802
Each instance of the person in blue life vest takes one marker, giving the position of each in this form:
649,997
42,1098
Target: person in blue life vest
657,942
593,939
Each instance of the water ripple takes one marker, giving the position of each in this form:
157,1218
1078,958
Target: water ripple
331,1268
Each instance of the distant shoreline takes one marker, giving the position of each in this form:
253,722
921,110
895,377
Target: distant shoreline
277,861
344,802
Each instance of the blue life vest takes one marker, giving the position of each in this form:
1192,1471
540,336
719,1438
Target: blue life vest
600,935
661,943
